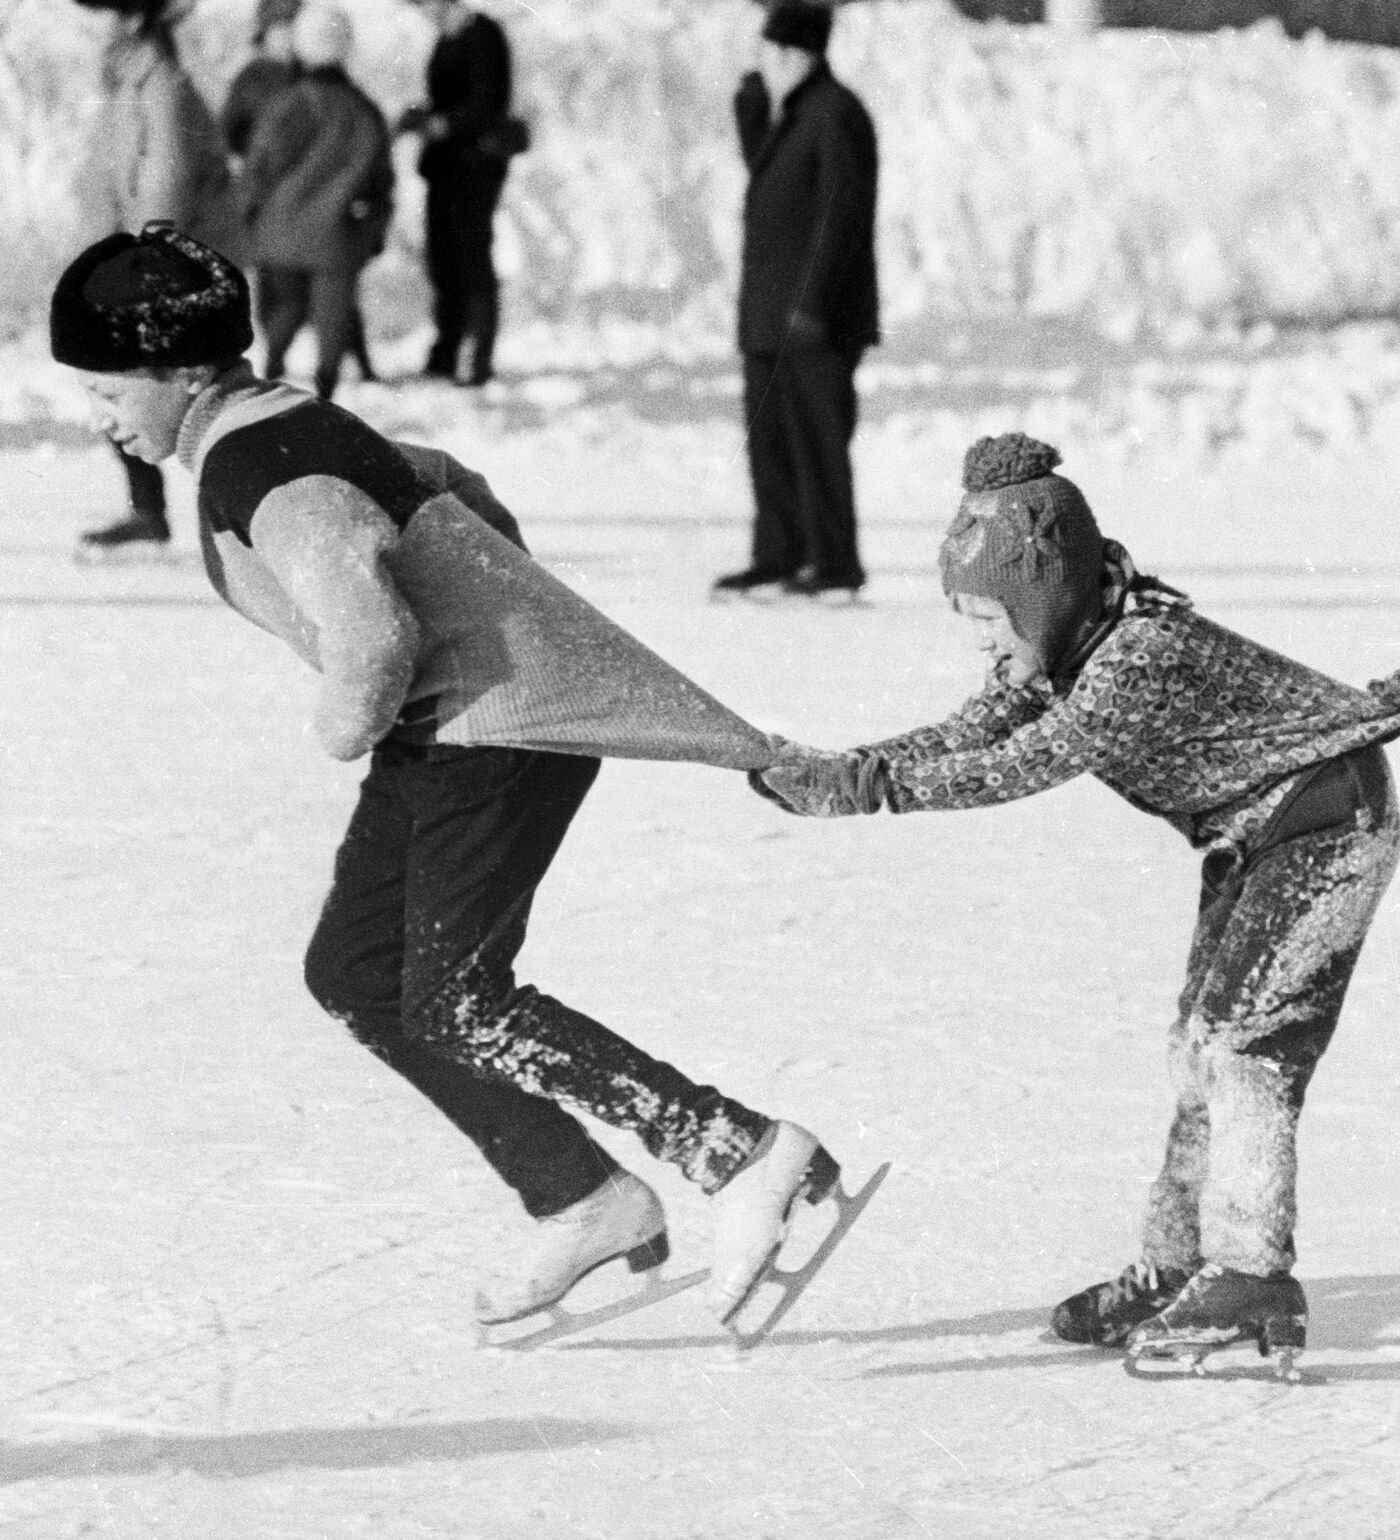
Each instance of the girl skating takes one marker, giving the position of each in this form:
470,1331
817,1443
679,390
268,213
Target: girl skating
1273,770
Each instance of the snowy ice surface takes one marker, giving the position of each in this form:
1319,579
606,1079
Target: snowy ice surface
237,1255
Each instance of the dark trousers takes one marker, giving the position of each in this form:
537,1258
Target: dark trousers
800,413
415,951
145,488
289,297
460,233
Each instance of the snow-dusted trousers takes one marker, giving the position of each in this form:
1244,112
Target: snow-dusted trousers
415,952
1276,941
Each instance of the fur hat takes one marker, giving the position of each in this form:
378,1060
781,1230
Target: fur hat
322,34
1026,538
156,299
799,24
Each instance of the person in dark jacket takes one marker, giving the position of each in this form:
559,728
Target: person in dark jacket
266,75
808,304
464,163
272,68
317,193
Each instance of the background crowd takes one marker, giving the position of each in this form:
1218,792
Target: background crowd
295,180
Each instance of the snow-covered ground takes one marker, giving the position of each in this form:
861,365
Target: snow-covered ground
237,1256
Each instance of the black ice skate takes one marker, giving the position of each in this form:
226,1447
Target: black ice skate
751,583
756,1210
622,1221
138,537
1220,1307
1104,1314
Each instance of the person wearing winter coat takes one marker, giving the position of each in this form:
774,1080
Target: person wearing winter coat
464,161
154,153
1271,769
808,304
316,189
271,70
451,658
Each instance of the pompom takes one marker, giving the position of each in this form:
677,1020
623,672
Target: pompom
1005,460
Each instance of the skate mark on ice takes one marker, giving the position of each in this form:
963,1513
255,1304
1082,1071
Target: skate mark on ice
107,601
259,1454
208,1336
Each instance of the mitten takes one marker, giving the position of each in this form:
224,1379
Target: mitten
815,783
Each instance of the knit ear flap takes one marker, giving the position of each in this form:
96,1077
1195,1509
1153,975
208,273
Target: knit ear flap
1006,460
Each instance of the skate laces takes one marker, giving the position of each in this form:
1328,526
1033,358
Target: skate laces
1136,1281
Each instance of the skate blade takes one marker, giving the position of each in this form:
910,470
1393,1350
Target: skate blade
765,593
792,1282
1181,1360
832,599
567,1323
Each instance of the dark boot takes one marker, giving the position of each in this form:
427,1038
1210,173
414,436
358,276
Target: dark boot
132,534
739,583
1106,1313
1220,1306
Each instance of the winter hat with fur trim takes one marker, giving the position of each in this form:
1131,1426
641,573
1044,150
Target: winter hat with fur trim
322,35
143,301
799,24
1026,538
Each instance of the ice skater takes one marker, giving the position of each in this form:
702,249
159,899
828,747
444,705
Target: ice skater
463,669
1270,768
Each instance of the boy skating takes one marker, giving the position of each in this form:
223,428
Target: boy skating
1270,768
465,668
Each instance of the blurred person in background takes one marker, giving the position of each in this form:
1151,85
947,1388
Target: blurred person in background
272,68
154,154
316,191
808,306
468,138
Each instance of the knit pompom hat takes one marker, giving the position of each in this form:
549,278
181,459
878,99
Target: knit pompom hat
156,299
1026,538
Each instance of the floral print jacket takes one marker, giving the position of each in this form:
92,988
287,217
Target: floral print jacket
1182,717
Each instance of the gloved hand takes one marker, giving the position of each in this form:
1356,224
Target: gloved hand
819,783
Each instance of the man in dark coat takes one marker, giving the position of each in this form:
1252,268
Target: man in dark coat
464,165
317,192
808,305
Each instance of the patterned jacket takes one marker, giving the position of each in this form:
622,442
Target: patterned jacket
1180,716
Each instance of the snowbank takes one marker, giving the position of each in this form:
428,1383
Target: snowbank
1132,181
